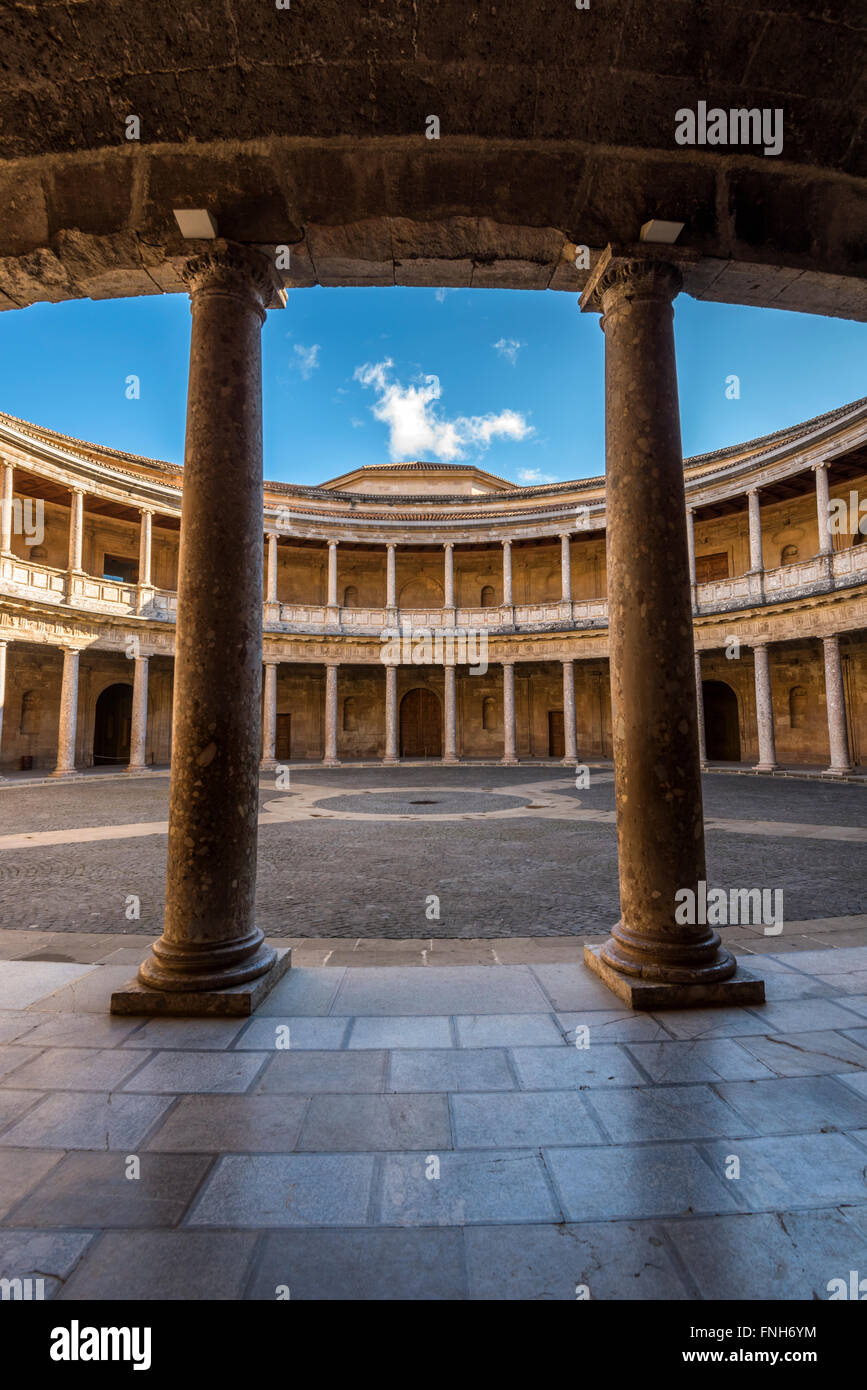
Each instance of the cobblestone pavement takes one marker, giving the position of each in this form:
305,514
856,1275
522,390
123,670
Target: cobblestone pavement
498,861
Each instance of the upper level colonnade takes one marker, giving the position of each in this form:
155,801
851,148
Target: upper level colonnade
434,545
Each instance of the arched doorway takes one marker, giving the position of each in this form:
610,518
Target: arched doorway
111,726
421,725
722,733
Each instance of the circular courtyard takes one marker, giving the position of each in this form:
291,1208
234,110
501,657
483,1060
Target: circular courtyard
420,851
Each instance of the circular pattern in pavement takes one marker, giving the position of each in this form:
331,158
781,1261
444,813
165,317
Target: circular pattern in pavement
421,801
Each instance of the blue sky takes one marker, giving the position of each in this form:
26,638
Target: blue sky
510,380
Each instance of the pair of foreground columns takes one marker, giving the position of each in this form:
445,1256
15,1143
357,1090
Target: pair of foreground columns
211,957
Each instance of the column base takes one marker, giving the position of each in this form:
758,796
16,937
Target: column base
269,765
135,770
390,762
331,762
740,988
509,762
450,759
233,1001
766,767
837,771
64,772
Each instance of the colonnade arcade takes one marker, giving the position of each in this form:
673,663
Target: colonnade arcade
211,956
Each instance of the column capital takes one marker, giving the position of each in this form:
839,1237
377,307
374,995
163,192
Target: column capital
230,268
147,511
271,661
753,491
332,545
640,271
391,545
822,464
448,545
506,541
77,491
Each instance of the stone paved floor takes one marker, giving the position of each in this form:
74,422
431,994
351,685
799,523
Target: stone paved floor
357,854
391,1132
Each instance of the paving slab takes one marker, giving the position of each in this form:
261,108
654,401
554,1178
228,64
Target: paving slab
446,990
714,1059
47,1255
169,1073
795,1104
806,1054
361,1266
399,1032
371,1123
778,1173
85,1120
455,1069
612,1260
281,1033
644,1113
230,1124
17,1179
600,1064
25,982
471,1188
769,1258
163,1265
525,1119
304,991
508,1030
92,1190
309,1072
636,1181
75,1069
286,1190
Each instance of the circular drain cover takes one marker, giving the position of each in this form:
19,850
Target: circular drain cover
424,803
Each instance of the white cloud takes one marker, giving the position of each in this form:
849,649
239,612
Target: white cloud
417,431
534,475
308,359
508,348
440,294
357,424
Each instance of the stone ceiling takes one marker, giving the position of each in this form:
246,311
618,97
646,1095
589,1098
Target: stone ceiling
306,126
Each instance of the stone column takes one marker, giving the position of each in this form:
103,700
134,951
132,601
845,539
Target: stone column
835,699
211,957
139,723
507,574
690,546
757,558
509,740
391,753
570,733
332,574
764,710
4,645
450,729
565,569
390,577
68,713
330,758
272,604
145,586
654,958
6,510
699,705
269,717
822,502
449,576
76,530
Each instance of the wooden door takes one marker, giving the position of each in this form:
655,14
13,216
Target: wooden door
421,729
283,739
556,734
